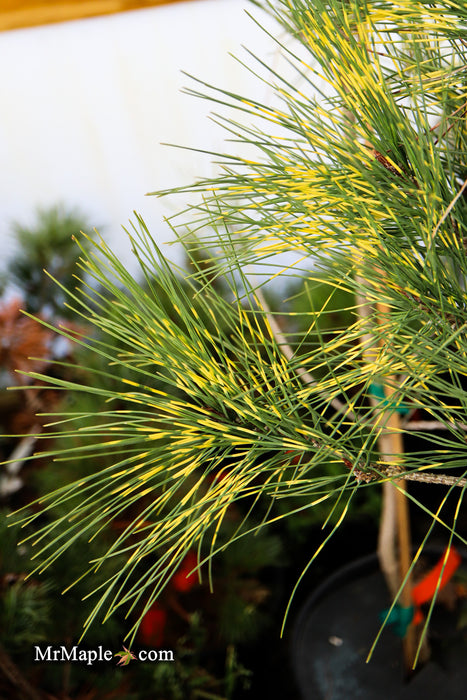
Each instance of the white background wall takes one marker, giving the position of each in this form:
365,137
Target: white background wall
85,106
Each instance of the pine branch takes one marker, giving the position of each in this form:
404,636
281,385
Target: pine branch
431,425
377,472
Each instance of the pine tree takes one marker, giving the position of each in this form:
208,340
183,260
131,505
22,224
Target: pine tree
46,245
361,169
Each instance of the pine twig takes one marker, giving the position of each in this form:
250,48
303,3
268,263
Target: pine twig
288,353
429,425
430,478
448,210
377,472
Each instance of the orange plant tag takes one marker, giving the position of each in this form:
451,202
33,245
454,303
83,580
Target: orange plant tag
426,588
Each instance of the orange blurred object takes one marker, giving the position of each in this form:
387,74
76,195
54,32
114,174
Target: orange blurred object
437,578
152,627
22,339
182,580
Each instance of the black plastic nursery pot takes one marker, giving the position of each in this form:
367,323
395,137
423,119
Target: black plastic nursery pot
337,626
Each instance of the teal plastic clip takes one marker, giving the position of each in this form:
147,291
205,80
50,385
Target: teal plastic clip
377,391
399,619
